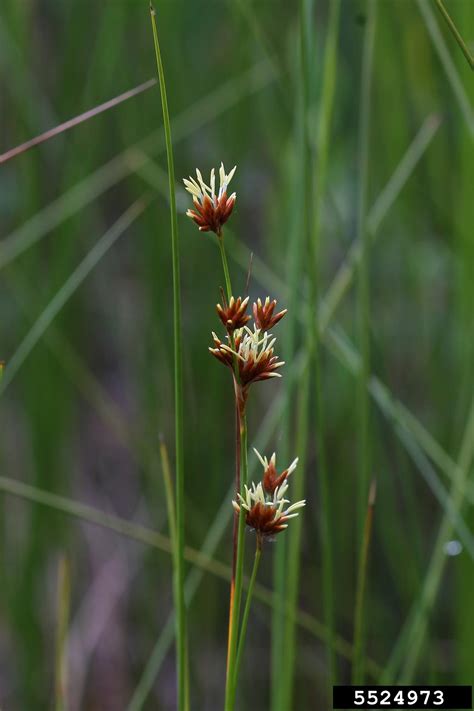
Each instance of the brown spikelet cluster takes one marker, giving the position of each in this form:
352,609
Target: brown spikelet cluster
211,210
263,518
271,479
249,353
210,216
268,514
263,314
234,314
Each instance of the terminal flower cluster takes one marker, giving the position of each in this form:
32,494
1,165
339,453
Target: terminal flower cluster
211,210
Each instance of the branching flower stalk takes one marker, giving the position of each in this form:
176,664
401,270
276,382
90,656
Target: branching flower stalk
248,352
251,359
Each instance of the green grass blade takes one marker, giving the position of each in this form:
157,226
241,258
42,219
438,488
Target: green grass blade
323,151
423,607
363,276
379,210
358,666
114,171
71,123
443,496
71,285
180,605
456,34
295,260
447,64
286,566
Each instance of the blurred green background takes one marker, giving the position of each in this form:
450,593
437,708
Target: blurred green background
88,387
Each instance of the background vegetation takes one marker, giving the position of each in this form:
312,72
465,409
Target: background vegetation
88,384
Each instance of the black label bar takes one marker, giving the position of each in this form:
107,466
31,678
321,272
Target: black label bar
402,697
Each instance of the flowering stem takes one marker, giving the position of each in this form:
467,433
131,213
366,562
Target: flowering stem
248,601
179,601
225,266
235,522
237,590
228,284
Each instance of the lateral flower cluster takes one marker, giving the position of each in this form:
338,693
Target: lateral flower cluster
248,352
265,506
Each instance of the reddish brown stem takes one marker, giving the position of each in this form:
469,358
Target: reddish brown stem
237,485
236,518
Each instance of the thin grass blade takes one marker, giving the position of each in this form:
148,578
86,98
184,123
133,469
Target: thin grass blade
447,63
71,123
71,285
358,665
114,171
179,580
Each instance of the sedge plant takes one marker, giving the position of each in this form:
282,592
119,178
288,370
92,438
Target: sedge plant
248,352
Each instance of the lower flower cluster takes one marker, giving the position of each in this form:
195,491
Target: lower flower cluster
266,508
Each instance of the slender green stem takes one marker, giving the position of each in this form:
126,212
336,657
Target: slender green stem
225,266
363,272
237,596
294,533
63,604
456,33
283,700
358,666
314,230
181,656
248,602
